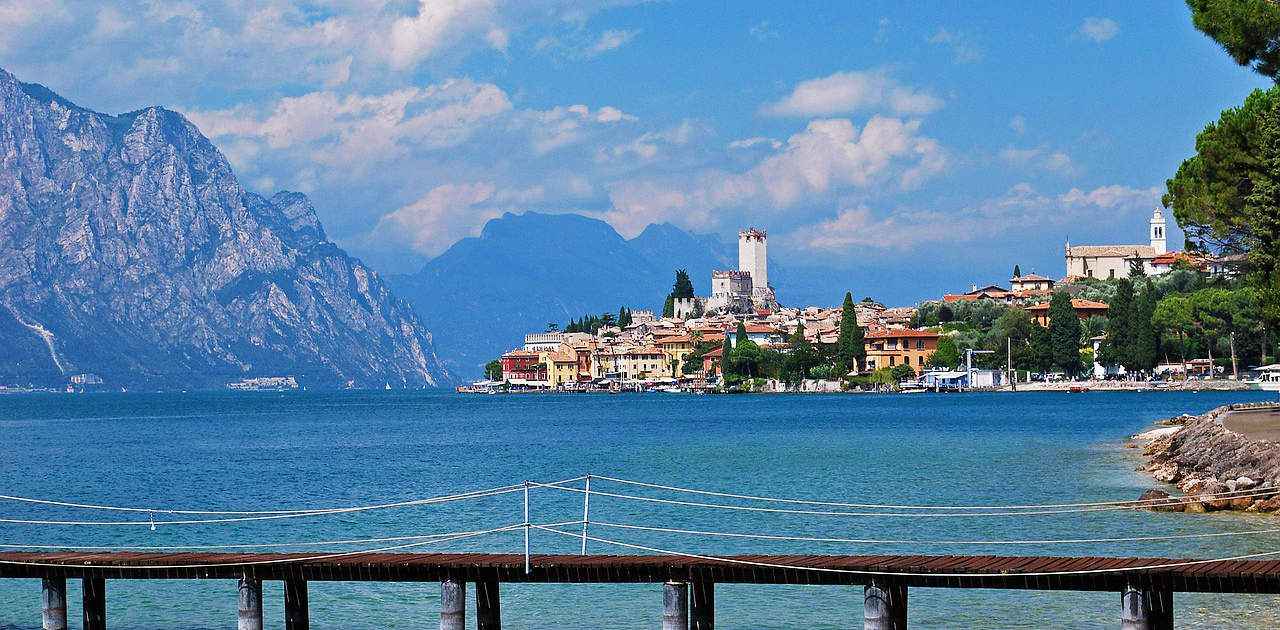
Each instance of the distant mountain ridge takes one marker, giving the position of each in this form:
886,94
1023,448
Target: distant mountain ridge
525,270
129,250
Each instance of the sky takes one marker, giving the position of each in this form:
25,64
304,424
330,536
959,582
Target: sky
899,150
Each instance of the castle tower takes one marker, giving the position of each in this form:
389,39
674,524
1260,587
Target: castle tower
752,259
1157,232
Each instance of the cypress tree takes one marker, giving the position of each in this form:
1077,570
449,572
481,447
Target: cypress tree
740,335
725,349
669,307
1118,348
1064,333
1146,339
1017,272
851,349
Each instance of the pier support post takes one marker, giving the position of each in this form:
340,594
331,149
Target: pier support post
488,606
94,600
1145,609
675,606
53,603
453,605
297,615
702,605
884,606
250,607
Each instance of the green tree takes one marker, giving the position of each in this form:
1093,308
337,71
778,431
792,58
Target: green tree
740,335
683,288
1264,240
746,359
1017,271
1145,339
493,370
800,358
945,314
725,349
1249,30
1118,348
1174,318
1064,334
903,372
669,307
1041,347
851,345
947,355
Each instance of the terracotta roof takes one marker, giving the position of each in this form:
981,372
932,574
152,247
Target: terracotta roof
1031,277
760,328
903,333
520,353
674,339
715,352
1076,303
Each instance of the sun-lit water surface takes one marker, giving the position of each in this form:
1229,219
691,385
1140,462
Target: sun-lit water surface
303,450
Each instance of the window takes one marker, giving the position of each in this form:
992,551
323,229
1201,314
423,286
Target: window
1113,273
891,359
920,344
921,359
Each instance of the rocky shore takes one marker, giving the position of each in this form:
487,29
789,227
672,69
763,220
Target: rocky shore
1217,468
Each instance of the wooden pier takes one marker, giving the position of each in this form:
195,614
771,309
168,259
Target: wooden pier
1145,586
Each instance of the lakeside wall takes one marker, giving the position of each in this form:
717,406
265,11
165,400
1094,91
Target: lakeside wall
1206,460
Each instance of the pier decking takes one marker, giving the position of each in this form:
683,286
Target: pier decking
1146,585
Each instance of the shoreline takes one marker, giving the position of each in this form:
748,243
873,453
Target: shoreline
1213,462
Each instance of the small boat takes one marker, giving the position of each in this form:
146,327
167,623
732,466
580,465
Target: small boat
1077,389
912,390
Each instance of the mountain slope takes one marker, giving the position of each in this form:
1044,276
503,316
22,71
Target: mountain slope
128,249
523,271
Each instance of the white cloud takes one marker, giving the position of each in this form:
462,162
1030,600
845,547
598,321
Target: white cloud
965,50
1018,124
1040,158
612,40
849,92
437,24
762,31
747,143
364,129
830,155
434,222
854,230
1099,29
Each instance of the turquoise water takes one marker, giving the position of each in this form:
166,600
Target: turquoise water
254,451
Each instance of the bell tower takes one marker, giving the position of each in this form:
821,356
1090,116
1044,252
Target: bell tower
1158,242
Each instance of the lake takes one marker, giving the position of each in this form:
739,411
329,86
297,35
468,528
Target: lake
272,451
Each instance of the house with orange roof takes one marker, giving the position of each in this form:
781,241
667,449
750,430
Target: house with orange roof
1084,310
906,346
1031,282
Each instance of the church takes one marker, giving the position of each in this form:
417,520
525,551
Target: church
1114,261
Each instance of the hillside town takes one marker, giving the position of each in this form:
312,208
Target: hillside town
927,346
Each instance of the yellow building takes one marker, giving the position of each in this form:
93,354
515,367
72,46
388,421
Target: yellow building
642,362
890,348
562,366
675,349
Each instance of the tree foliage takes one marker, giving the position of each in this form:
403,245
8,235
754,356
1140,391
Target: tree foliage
947,355
851,346
1249,30
493,370
1064,334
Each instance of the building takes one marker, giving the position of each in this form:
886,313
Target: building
1115,261
1031,282
675,348
543,342
889,348
746,288
642,363
1084,310
753,260
523,366
562,366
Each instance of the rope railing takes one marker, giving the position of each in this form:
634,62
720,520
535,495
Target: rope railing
775,565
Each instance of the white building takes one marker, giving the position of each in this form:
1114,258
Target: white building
748,286
1114,261
543,342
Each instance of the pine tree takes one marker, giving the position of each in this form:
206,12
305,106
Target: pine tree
683,288
1064,333
1264,239
851,349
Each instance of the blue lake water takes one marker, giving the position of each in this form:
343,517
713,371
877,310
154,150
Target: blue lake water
264,451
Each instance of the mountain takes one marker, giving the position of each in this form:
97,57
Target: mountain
523,271
129,250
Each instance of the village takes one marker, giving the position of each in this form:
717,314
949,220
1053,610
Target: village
902,348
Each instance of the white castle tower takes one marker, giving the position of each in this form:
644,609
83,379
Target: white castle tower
752,259
1157,233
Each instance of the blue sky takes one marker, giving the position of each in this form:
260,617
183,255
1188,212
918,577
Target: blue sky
897,149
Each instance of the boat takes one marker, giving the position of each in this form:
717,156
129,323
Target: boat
1077,389
912,390
1268,378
